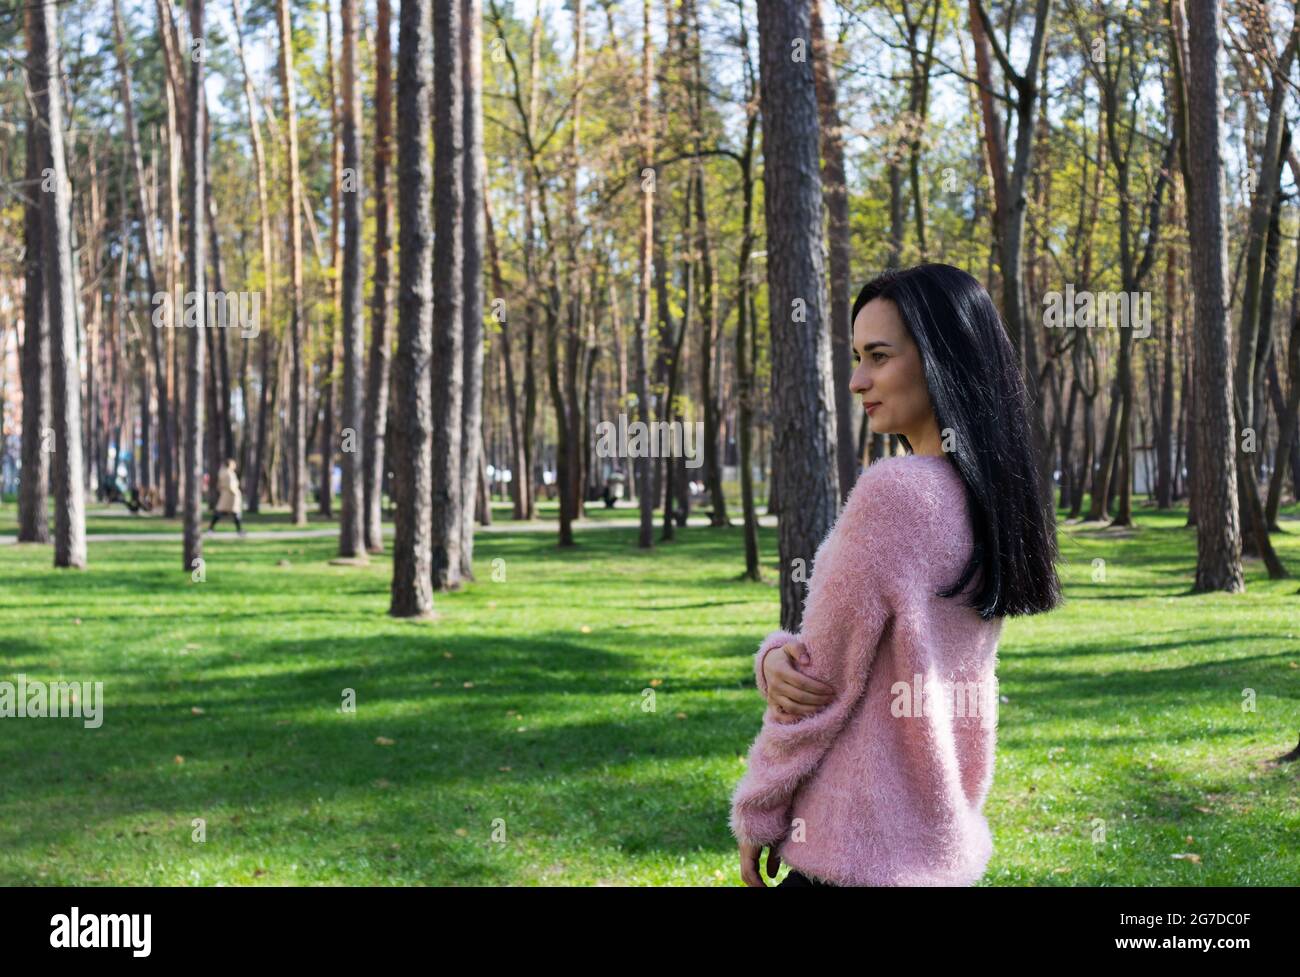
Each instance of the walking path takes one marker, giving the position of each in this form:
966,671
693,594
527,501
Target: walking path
500,526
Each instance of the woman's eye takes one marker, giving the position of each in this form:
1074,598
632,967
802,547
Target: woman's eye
874,355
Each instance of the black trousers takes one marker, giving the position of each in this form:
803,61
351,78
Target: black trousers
797,878
233,515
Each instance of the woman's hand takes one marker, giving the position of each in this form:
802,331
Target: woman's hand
794,694
750,856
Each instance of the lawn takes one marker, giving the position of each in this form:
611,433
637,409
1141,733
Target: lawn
117,520
583,718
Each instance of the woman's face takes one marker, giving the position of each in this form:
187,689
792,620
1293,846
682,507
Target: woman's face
890,376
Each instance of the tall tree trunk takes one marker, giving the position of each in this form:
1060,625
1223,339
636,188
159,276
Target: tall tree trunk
642,465
1218,563
56,250
381,296
474,177
576,306
670,465
412,594
253,471
297,394
34,491
804,428
1273,154
328,385
1165,443
746,333
447,373
166,462
174,94
92,222
518,462
1009,194
196,306
1289,414
351,527
835,191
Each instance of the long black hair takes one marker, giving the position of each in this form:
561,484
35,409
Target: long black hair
981,403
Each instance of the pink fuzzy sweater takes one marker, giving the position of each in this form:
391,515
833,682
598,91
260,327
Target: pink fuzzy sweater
886,783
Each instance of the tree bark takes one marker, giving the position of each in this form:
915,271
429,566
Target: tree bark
835,192
328,385
804,418
474,177
412,594
34,490
56,242
1218,563
381,296
351,528
253,471
642,465
447,373
196,307
297,395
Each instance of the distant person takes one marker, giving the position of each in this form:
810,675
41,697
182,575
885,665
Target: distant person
112,488
613,490
231,500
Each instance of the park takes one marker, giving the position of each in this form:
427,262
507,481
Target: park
419,417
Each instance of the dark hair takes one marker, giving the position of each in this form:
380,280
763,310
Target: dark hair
978,394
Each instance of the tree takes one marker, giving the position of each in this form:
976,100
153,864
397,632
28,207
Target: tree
381,299
1218,537
56,249
166,462
642,465
351,529
325,401
412,594
710,334
803,403
253,471
1118,76
447,373
34,492
472,406
297,394
196,322
835,191
1009,193
746,316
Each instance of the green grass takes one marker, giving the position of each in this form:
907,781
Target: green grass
116,520
521,711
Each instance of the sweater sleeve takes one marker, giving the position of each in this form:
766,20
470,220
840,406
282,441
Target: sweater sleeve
843,624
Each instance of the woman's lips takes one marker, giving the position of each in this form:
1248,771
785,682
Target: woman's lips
870,405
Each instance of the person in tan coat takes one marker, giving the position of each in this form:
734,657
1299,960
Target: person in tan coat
231,500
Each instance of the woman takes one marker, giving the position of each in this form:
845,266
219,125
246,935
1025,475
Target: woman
231,500
877,747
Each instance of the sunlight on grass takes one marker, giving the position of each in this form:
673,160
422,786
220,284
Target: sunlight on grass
509,741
